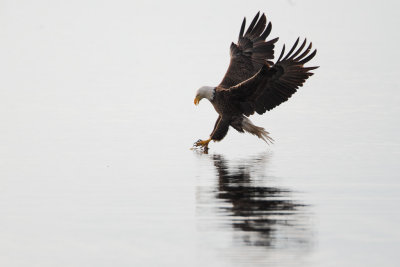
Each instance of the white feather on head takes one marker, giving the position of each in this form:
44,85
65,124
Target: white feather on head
205,92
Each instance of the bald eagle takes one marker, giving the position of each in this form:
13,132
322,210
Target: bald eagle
253,83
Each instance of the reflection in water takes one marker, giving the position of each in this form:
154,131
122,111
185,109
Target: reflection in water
260,215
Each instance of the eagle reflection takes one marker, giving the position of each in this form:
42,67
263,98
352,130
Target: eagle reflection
260,215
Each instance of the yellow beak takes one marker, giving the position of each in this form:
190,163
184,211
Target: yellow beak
196,100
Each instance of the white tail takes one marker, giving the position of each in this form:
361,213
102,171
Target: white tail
260,132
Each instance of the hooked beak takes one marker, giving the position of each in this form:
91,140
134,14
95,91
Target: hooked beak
196,100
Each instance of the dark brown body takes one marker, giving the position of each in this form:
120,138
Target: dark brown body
229,113
225,103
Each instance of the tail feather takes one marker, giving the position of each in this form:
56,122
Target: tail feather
260,132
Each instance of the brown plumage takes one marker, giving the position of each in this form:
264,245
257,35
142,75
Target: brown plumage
253,83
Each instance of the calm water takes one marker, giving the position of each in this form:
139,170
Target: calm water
97,118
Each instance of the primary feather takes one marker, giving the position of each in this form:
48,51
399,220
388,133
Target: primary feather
251,51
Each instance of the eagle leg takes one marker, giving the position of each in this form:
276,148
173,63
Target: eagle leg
220,129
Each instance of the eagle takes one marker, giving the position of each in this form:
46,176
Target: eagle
253,83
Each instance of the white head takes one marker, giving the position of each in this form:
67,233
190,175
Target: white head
204,92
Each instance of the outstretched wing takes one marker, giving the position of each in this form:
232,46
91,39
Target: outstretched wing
272,86
251,52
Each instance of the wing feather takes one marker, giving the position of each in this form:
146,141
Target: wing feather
266,32
304,53
242,28
299,50
282,52
293,48
259,28
253,22
271,86
251,51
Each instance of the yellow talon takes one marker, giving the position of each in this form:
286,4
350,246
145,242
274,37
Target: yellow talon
202,143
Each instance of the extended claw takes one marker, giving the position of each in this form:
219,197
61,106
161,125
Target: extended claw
197,143
202,144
